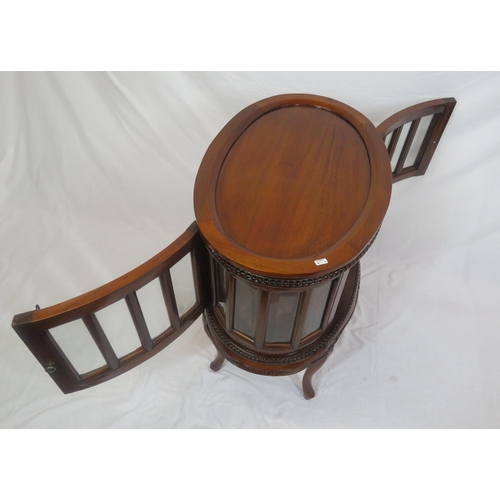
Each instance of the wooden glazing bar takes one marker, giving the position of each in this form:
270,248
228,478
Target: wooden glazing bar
195,268
33,327
167,289
405,174
394,141
412,113
213,274
426,141
202,267
128,362
436,129
102,342
407,145
334,290
338,294
108,294
261,326
440,110
139,321
300,318
230,294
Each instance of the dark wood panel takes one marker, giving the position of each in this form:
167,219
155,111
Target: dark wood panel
167,289
230,296
394,141
406,146
285,181
260,329
139,322
285,176
300,319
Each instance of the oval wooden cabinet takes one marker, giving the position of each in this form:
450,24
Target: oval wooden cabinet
289,196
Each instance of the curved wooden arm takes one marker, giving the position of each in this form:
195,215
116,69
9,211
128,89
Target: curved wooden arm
33,326
440,110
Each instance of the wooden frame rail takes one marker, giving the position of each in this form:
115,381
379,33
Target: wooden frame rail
440,110
34,327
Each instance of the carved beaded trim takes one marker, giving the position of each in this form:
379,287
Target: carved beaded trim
290,358
271,373
286,283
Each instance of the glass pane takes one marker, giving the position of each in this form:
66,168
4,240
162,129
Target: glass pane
153,307
417,140
78,346
220,286
316,308
399,145
119,328
388,139
282,311
182,280
246,308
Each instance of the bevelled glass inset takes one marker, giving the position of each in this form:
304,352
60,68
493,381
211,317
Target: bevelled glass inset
281,317
182,281
220,287
317,304
246,304
77,344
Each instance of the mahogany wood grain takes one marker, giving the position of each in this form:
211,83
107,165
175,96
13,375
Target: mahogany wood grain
300,320
230,300
394,141
261,326
307,387
217,363
290,180
167,289
139,321
336,296
333,300
294,177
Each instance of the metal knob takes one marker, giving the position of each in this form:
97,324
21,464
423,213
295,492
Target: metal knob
50,368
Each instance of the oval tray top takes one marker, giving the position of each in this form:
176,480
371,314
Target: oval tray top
295,185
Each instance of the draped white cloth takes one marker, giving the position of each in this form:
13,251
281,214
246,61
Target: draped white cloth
96,176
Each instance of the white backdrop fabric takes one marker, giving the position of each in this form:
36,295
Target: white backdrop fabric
96,176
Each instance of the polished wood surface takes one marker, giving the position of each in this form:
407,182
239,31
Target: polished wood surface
440,110
296,169
291,180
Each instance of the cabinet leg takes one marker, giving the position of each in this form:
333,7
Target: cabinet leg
308,375
217,362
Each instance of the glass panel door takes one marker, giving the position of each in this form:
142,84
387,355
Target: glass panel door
79,354
281,318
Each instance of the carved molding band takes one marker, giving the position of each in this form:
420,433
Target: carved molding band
269,373
286,283
299,355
